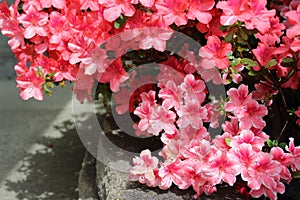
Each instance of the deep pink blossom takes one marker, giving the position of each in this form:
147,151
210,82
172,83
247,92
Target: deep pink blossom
295,151
173,11
200,10
114,74
285,159
31,85
234,10
114,8
252,115
263,53
294,20
34,22
238,97
214,54
264,93
297,113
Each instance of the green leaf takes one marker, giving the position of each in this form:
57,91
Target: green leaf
229,36
271,63
287,60
252,73
296,174
248,62
223,28
282,145
243,34
275,143
120,22
269,143
235,62
227,141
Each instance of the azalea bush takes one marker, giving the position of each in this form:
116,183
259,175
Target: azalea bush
250,48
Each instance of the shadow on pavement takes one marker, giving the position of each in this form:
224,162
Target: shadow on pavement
51,170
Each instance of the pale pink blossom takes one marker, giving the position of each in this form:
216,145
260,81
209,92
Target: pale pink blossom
162,119
144,165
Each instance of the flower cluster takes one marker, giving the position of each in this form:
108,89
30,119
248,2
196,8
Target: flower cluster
252,47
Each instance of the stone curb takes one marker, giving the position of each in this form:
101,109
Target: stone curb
87,188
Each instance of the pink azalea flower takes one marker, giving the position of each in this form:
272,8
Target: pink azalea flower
173,11
248,137
194,87
234,10
192,113
114,8
222,168
59,28
238,98
83,86
294,20
94,62
252,115
173,173
231,127
79,47
171,95
115,74
220,141
264,93
263,172
214,54
162,119
269,192
31,85
172,150
144,112
285,159
273,34
156,38
199,150
144,165
34,22
295,151
92,4
166,173
212,28
263,53
212,74
147,3
245,155
200,10
297,113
